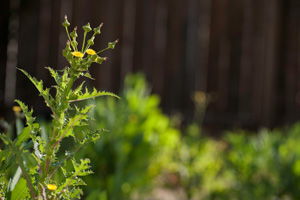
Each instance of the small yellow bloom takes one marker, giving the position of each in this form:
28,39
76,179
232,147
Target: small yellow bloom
51,187
17,109
90,52
77,54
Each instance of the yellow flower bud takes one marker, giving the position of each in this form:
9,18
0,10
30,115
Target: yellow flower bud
90,52
51,187
17,109
77,54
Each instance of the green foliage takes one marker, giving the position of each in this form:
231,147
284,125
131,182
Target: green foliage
241,165
265,166
36,154
142,151
139,142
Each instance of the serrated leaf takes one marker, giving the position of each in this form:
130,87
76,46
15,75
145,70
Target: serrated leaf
28,114
55,75
45,93
7,164
25,134
4,154
77,120
88,75
20,191
78,89
88,95
5,139
82,169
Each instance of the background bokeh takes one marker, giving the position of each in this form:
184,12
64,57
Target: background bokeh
243,54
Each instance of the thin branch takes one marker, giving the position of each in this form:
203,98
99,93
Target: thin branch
54,114
75,100
28,181
61,137
69,182
103,50
44,192
63,161
37,155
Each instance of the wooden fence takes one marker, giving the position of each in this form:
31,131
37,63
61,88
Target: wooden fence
244,53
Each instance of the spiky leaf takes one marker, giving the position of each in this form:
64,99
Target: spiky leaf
89,95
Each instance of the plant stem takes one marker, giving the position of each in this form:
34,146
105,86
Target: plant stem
68,183
102,50
69,37
37,156
83,41
62,136
63,161
88,46
27,180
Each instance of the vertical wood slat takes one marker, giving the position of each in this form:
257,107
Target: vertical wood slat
205,8
271,61
27,52
258,58
127,54
160,45
172,95
218,64
247,64
4,18
12,53
291,64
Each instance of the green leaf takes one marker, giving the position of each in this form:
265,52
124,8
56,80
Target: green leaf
20,191
28,114
4,154
15,179
25,134
88,75
55,75
45,93
82,169
6,160
97,195
77,120
87,95
5,139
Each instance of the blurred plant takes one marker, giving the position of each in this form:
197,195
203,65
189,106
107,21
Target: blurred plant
264,166
34,153
241,165
139,144
143,152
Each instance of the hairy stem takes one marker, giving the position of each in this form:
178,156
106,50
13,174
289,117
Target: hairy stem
63,161
69,38
62,136
83,41
27,180
37,156
103,50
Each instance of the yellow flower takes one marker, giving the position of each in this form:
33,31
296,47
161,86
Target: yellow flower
51,187
90,52
77,54
17,109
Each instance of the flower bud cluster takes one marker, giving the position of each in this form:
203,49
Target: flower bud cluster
81,60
